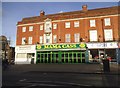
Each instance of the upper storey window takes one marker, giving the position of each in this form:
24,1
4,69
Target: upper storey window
48,25
23,41
23,29
67,24
41,27
108,34
107,21
93,35
92,23
67,38
30,28
30,40
54,26
76,37
76,24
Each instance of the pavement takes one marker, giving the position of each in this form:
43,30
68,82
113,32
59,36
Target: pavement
67,67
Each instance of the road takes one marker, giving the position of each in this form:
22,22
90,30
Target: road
60,74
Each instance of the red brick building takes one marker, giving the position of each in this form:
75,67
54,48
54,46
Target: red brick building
98,28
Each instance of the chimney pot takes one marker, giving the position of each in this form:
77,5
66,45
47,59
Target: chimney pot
84,7
42,13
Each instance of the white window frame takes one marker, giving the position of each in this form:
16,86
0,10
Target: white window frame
48,26
108,34
30,40
41,39
76,24
67,24
77,37
41,27
23,29
54,38
23,40
48,37
93,35
30,28
107,22
54,26
67,38
92,23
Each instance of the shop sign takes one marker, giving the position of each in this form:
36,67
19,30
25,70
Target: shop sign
25,48
102,45
60,46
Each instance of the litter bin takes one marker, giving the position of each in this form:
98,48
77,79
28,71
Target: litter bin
32,61
106,65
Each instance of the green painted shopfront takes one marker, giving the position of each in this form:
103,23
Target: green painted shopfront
62,53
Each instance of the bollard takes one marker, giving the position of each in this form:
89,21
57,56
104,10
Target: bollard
106,65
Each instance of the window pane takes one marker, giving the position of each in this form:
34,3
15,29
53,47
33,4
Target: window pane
47,38
41,27
23,40
76,24
108,34
107,21
76,37
67,25
30,40
54,38
93,35
23,29
30,28
92,23
67,37
41,39
47,26
54,26
21,55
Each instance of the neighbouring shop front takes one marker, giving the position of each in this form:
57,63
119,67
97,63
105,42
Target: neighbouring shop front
25,54
104,49
62,53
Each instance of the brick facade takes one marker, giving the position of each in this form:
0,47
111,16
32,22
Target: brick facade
84,16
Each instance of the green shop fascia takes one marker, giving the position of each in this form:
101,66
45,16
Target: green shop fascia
62,53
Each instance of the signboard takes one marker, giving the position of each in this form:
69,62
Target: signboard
102,45
60,46
25,48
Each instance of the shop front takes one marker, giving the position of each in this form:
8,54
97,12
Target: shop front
62,53
25,54
106,49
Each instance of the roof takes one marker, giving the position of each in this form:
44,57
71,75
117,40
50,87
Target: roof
73,14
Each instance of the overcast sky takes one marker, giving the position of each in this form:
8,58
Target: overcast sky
12,12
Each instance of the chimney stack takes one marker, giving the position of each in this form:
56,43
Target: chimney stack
84,8
42,13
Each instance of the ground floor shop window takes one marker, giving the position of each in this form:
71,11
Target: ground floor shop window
97,53
61,57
